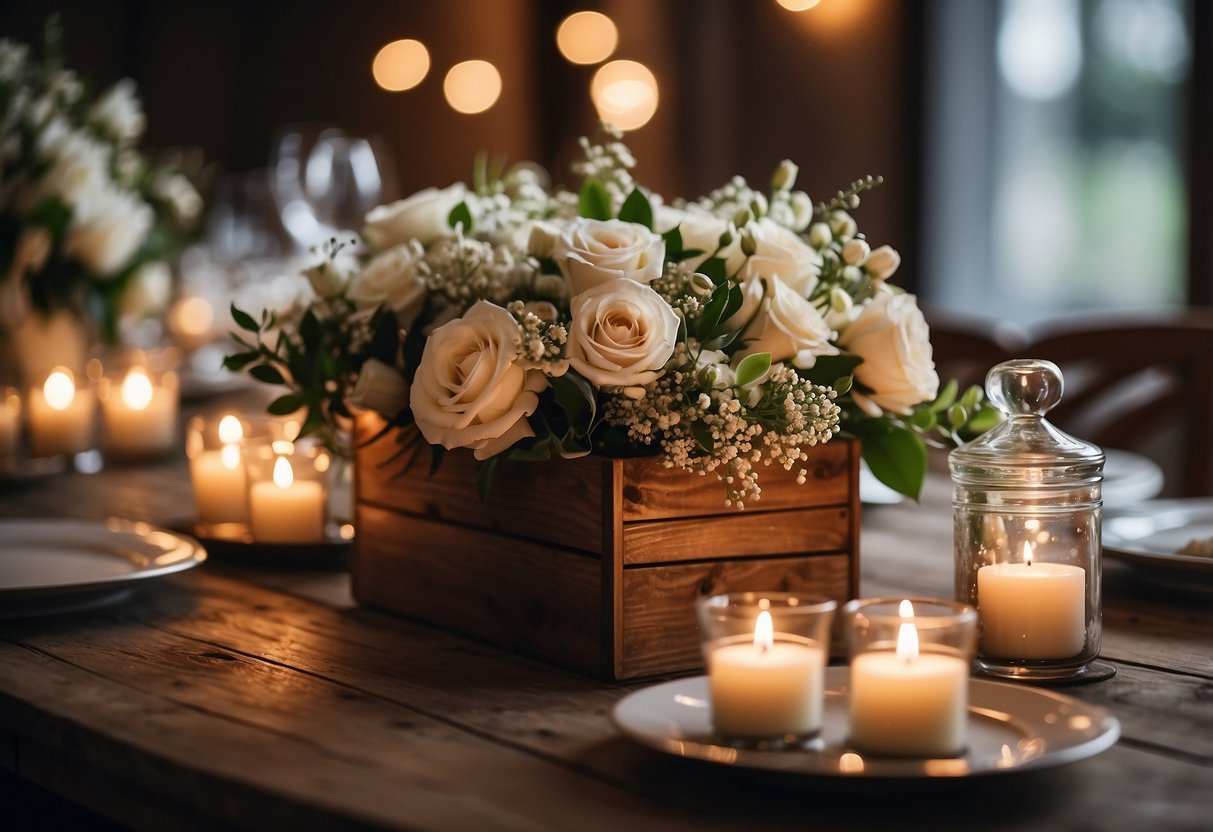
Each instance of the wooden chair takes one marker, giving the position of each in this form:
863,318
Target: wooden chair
1141,383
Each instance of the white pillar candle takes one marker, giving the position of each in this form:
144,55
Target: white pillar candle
219,478
286,510
1032,610
141,417
907,703
61,416
765,688
10,423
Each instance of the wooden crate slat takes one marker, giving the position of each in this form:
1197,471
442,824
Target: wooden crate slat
739,535
660,633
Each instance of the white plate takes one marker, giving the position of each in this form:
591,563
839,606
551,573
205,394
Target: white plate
1011,728
1129,478
55,565
1150,534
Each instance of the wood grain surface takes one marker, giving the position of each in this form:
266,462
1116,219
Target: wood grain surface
261,697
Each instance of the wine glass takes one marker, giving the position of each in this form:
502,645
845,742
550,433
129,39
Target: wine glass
324,180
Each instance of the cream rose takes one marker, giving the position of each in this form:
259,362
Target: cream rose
391,279
107,229
380,387
422,216
789,328
592,252
892,338
621,335
781,253
118,111
470,391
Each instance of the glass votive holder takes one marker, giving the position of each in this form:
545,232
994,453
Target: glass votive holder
218,473
1026,506
765,654
140,401
10,426
909,676
61,415
287,491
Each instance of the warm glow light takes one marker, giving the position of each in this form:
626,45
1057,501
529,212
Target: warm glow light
193,317
907,634
284,475
230,430
229,455
59,389
1028,554
798,5
401,65
625,94
764,631
587,37
136,390
472,86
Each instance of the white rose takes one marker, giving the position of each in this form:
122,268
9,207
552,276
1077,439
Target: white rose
788,327
78,170
380,387
592,252
181,195
107,229
882,262
148,292
118,111
892,338
391,279
621,335
422,216
781,253
470,390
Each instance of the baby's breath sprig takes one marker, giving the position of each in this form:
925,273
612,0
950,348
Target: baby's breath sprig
848,200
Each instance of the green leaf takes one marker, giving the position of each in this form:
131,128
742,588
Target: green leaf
595,202
752,368
923,418
673,244
946,397
827,369
484,477
957,415
461,215
843,385
309,330
896,455
576,398
244,320
285,405
716,270
636,208
240,360
268,374
735,302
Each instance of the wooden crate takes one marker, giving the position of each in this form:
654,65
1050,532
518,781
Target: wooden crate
594,563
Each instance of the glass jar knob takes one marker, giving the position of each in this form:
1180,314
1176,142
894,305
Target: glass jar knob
1025,386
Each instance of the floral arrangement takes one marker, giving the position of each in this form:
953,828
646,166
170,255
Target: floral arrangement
81,209
726,334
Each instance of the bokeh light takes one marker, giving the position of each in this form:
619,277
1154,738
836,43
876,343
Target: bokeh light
798,5
625,94
401,65
472,86
587,37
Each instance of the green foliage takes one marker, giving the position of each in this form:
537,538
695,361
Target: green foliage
636,208
897,455
461,215
752,368
594,202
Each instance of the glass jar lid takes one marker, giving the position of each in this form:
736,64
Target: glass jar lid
1025,449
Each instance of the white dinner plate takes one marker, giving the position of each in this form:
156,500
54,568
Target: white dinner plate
1129,478
1150,534
50,566
1011,728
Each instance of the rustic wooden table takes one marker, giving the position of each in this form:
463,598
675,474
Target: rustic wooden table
260,697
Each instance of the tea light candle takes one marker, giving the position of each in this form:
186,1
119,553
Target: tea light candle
766,688
219,478
10,423
907,703
286,510
1032,610
142,417
61,416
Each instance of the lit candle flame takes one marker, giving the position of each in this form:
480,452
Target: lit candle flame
137,390
230,430
229,455
284,475
59,389
907,633
1027,553
764,632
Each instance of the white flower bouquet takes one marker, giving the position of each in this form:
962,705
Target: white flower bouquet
81,209
725,334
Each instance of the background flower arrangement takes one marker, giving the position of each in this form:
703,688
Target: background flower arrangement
726,334
85,218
